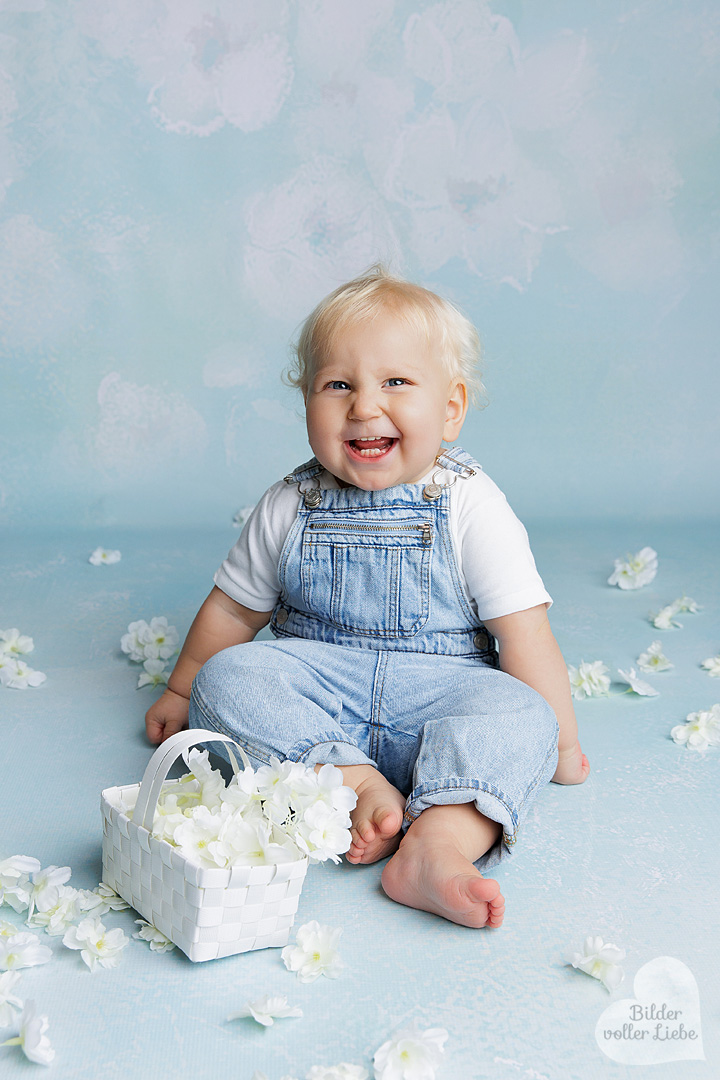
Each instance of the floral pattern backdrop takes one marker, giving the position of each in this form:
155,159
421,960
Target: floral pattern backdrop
182,180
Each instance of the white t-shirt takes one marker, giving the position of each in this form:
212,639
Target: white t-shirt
491,545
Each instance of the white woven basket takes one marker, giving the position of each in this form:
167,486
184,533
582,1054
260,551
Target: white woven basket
207,912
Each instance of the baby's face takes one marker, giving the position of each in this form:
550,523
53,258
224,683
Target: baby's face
380,405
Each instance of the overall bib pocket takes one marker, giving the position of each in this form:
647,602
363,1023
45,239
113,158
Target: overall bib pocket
371,577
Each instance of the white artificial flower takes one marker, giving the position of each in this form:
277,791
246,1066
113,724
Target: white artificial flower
7,929
100,900
97,945
14,644
267,1009
685,603
324,832
589,680
155,674
343,1071
601,961
159,640
15,884
18,676
637,685
701,730
131,642
664,620
331,788
21,951
712,666
158,941
314,953
195,835
58,910
653,660
242,515
410,1054
8,1002
212,784
32,1038
43,882
102,557
7,668
635,570
250,843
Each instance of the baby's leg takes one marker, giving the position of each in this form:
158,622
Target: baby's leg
433,868
377,818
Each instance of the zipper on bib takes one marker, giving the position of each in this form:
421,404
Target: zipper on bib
425,528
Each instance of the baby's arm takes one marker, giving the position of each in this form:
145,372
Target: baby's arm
220,623
529,651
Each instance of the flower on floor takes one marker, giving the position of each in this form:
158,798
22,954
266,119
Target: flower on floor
267,1009
97,945
686,603
18,676
155,674
14,644
242,515
102,557
158,941
653,659
589,680
701,730
100,901
150,641
32,1038
15,884
43,883
343,1071
637,685
410,1054
600,959
22,950
314,953
57,911
10,1005
664,620
634,571
712,666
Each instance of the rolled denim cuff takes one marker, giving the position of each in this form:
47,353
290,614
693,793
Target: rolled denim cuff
329,751
464,790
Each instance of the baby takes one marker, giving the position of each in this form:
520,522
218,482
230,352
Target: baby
412,646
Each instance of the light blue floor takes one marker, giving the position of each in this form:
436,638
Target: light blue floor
632,855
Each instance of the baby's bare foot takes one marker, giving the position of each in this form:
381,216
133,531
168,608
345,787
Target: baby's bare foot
377,818
430,872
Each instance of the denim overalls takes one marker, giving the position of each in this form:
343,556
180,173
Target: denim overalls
380,660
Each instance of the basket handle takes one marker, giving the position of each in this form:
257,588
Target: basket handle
162,761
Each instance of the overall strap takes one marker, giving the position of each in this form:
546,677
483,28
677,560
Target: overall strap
308,471
457,460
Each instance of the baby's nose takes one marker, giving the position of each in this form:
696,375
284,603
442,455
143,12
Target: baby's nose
364,406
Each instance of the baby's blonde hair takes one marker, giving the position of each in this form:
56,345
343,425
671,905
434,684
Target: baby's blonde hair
366,297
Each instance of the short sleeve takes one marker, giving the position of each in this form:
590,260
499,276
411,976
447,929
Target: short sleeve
497,563
249,573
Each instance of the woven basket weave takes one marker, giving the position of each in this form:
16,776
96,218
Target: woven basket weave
208,912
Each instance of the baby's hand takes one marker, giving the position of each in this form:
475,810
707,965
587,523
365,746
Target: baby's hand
168,715
573,767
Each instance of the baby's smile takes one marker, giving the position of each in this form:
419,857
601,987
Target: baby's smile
369,446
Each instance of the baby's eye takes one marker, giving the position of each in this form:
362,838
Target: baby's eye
396,382
337,384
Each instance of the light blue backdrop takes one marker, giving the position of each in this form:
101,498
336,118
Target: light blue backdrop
182,180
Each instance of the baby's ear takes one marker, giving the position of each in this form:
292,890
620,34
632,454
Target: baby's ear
456,411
